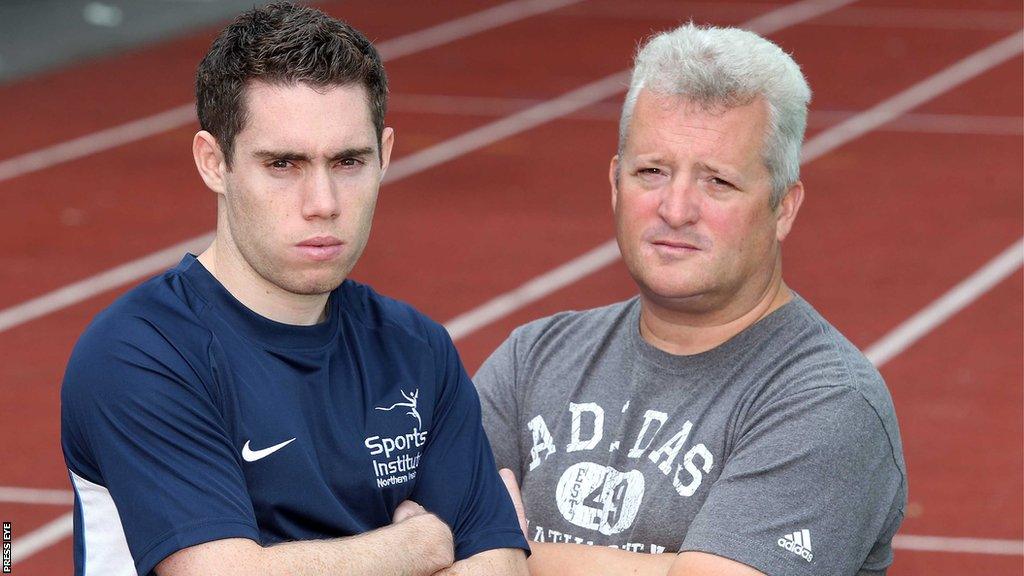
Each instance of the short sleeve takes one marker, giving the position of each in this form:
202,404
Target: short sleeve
458,479
140,431
496,383
811,487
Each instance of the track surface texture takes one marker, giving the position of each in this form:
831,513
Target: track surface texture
913,177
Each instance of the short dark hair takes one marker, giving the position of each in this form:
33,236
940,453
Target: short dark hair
282,43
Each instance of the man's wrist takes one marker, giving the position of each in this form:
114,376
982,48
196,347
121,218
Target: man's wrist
430,541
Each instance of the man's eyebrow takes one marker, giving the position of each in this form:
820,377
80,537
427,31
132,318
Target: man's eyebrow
280,155
721,171
650,158
354,153
360,152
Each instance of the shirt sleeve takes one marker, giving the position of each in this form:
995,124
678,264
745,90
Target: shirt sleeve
458,479
809,488
496,384
138,421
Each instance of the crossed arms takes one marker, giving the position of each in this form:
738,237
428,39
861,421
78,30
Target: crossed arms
417,543
550,559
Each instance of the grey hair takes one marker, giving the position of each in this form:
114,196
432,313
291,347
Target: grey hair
728,67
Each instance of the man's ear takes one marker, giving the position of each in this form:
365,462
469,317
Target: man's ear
613,179
387,142
209,160
787,209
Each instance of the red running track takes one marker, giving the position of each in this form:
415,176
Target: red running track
892,219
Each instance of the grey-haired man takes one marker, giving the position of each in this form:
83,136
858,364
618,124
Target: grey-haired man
716,414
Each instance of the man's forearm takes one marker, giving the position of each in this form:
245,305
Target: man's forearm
419,546
500,562
549,559
580,560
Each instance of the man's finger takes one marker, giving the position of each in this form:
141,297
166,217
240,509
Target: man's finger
407,509
509,478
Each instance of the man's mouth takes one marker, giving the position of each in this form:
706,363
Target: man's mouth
320,248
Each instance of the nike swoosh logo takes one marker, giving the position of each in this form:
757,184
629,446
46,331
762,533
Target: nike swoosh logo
253,455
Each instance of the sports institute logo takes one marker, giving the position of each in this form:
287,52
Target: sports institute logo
798,543
395,458
410,403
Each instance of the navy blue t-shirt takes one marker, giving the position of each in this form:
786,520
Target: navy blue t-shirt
186,418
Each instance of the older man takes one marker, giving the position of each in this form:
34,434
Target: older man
252,411
716,414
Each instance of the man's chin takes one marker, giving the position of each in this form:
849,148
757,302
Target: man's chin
314,285
674,294
670,285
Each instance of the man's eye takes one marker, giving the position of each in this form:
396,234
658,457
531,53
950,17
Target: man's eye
349,162
722,183
649,171
280,164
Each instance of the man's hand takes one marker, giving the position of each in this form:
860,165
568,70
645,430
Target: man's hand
407,509
429,527
509,478
491,562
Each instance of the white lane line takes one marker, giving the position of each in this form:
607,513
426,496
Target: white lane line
959,545
18,495
924,18
874,17
956,299
402,168
468,25
551,281
933,123
97,142
94,285
511,125
185,114
791,14
23,547
916,95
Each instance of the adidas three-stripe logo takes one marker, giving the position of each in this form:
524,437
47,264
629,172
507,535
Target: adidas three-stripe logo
799,543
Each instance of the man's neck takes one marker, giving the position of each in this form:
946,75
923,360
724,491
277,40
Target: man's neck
682,332
259,295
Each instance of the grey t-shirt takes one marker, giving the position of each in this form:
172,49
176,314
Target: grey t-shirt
778,449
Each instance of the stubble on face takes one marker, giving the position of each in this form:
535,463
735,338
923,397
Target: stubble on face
269,211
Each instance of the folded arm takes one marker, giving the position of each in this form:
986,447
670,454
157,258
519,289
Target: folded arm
503,561
416,546
551,559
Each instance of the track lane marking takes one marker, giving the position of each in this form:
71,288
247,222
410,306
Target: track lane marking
184,115
956,299
959,545
18,495
936,84
23,547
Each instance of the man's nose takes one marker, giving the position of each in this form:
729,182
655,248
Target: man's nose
320,195
680,202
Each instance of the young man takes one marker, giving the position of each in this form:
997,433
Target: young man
716,414
251,411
